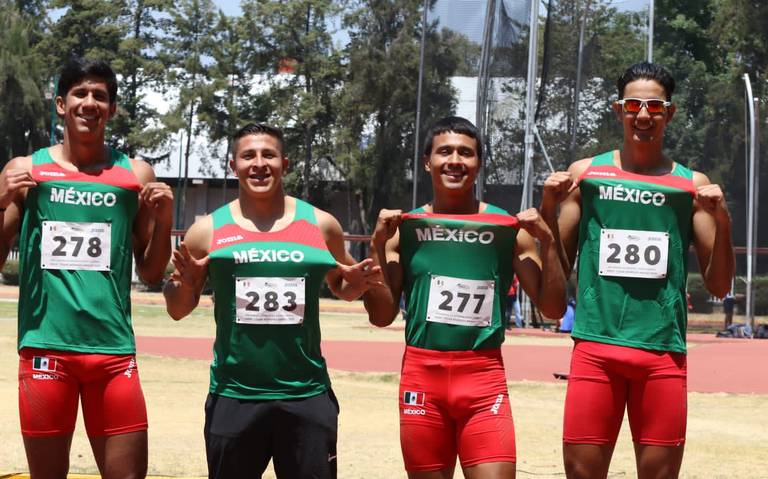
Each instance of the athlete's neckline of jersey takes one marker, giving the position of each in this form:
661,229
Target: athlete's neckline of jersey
110,162
271,231
423,209
617,153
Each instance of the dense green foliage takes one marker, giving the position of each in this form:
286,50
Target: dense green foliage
348,100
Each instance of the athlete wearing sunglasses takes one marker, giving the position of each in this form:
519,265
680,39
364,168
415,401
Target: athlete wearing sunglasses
631,214
654,106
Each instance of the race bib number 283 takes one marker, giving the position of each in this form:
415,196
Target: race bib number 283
75,246
633,254
262,300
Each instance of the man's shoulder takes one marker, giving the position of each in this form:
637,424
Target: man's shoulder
327,222
699,178
20,162
143,170
580,166
198,236
494,209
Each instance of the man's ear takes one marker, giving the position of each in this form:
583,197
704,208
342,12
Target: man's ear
618,110
60,107
425,161
112,110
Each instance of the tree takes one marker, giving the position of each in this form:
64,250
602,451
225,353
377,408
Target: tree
186,45
232,99
139,69
378,101
22,106
296,43
88,28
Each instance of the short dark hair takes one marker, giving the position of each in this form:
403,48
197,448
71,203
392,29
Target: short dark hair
77,68
453,124
258,129
647,71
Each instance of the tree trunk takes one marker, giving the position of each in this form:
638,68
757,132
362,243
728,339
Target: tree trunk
307,161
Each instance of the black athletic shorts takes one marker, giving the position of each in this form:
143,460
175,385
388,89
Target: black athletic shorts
241,436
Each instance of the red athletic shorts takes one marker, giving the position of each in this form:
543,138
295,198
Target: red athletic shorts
454,402
604,378
50,383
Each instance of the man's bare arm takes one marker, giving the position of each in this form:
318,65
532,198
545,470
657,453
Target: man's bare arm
183,289
350,279
15,180
382,302
712,236
152,227
539,269
569,216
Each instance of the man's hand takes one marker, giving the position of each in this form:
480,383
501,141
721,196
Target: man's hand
532,222
557,187
190,272
159,199
12,181
711,199
386,225
360,277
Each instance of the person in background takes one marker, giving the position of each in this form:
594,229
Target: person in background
513,305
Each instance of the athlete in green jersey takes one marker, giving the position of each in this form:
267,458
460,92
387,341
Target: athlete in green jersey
266,255
454,260
631,215
81,210
444,316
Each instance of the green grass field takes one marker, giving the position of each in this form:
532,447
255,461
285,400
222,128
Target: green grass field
727,434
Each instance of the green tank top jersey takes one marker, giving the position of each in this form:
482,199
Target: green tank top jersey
634,235
266,288
457,270
75,248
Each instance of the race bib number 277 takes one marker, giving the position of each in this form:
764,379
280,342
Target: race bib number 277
463,302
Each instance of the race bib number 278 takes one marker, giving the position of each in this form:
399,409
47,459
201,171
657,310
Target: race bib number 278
75,246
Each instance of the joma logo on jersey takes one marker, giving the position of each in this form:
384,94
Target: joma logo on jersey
602,173
229,239
71,196
632,195
437,233
254,255
56,174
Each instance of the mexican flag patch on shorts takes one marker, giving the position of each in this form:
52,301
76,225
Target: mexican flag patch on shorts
41,363
411,398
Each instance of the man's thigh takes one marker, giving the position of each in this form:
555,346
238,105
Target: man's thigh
238,437
657,405
48,393
595,399
305,437
113,401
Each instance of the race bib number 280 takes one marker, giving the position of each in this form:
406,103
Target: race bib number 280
75,246
633,254
463,302
263,300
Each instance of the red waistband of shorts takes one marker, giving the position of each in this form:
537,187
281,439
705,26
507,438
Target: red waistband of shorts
467,355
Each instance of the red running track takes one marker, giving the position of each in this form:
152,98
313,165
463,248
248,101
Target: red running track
733,366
